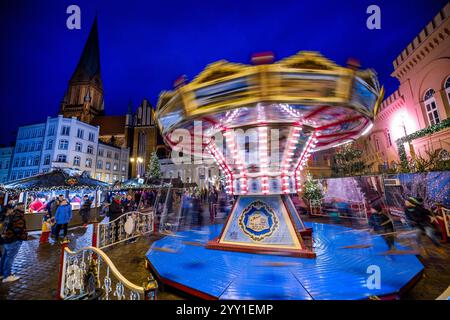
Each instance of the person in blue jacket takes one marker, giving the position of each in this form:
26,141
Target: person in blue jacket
63,216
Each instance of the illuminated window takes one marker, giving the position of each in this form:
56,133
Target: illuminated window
78,147
89,163
99,164
76,161
447,88
431,107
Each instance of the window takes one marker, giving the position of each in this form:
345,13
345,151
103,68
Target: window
116,156
51,131
107,177
49,144
23,161
88,163
63,145
65,131
61,158
27,174
31,147
388,138
78,147
430,107
47,160
20,175
108,154
80,133
101,152
38,146
91,136
90,149
114,178
19,147
447,88
122,178
16,163
98,176
124,168
108,166
99,164
377,144
76,161
14,175
25,147
116,167
36,161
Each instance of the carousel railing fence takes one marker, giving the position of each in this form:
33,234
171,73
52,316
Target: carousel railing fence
89,274
128,226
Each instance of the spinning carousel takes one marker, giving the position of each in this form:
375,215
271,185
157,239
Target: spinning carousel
260,123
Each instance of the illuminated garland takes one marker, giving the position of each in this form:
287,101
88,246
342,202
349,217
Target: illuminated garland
47,189
416,135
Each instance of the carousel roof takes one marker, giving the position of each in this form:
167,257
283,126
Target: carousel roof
58,179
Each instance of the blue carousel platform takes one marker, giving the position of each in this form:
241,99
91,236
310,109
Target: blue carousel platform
336,273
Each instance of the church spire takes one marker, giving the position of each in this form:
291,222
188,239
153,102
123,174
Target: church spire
89,64
85,91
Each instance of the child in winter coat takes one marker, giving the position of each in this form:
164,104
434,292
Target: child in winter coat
47,223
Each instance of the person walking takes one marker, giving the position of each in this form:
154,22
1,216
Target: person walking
63,216
85,210
382,224
14,233
419,218
212,199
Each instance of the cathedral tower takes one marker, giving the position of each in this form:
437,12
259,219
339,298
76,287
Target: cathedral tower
84,96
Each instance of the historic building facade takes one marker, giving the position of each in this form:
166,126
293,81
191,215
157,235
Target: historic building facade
5,163
64,143
421,101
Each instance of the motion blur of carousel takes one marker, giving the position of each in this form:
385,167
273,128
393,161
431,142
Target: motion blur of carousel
260,123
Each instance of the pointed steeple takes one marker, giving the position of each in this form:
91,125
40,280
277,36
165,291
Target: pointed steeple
89,64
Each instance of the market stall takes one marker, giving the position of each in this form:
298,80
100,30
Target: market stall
38,191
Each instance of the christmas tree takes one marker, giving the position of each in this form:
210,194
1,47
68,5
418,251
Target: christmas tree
154,169
313,191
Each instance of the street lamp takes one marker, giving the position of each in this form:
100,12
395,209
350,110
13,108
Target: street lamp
140,160
131,159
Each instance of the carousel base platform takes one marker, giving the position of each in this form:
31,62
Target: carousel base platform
341,270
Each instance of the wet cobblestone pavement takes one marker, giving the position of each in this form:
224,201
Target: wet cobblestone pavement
38,267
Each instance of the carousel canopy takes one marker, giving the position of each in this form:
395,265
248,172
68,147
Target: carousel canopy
58,179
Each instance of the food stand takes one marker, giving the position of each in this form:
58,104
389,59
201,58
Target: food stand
37,191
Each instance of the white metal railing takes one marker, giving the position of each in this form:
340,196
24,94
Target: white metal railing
90,274
128,226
